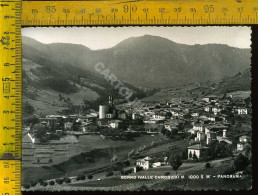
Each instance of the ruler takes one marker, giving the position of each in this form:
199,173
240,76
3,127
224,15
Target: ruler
139,12
10,96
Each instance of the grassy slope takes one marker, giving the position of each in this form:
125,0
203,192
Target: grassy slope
115,183
109,147
238,85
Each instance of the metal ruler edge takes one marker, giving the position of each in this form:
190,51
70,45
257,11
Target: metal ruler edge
139,12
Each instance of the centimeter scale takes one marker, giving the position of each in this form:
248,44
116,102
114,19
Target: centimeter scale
10,97
76,13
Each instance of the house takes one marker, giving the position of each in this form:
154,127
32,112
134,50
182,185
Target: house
115,124
200,136
213,117
207,108
136,116
211,137
243,142
156,164
242,111
68,126
206,99
104,122
199,150
196,127
242,146
244,139
210,98
110,115
215,128
158,116
122,115
59,132
215,110
171,125
174,113
145,163
49,121
224,138
195,114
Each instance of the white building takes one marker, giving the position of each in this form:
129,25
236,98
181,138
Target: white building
242,111
207,108
200,136
115,124
103,111
145,163
198,127
157,116
199,150
195,114
244,139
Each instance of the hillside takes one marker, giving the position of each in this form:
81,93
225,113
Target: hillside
161,62
51,86
61,76
238,85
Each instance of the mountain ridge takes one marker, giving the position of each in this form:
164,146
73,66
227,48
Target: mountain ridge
152,61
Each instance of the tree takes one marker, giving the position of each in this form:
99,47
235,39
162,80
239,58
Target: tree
190,155
207,165
110,173
60,181
184,154
168,115
153,144
167,173
33,183
67,180
241,162
174,132
80,177
41,181
127,163
90,177
27,186
60,97
195,158
40,131
44,183
27,108
175,162
163,130
168,134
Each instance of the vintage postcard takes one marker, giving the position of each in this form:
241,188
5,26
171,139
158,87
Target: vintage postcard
136,108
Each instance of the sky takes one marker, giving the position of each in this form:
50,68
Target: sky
106,37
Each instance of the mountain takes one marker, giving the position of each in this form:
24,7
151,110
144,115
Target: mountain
53,83
152,62
158,62
147,62
238,85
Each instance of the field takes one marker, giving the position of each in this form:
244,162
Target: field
101,182
101,150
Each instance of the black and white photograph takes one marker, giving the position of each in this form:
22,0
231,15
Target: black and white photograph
136,108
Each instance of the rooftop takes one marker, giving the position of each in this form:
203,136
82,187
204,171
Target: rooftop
198,147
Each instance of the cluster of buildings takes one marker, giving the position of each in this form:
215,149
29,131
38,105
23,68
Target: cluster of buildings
206,119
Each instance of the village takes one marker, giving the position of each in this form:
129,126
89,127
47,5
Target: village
210,128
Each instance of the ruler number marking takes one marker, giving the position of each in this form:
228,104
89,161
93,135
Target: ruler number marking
50,9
